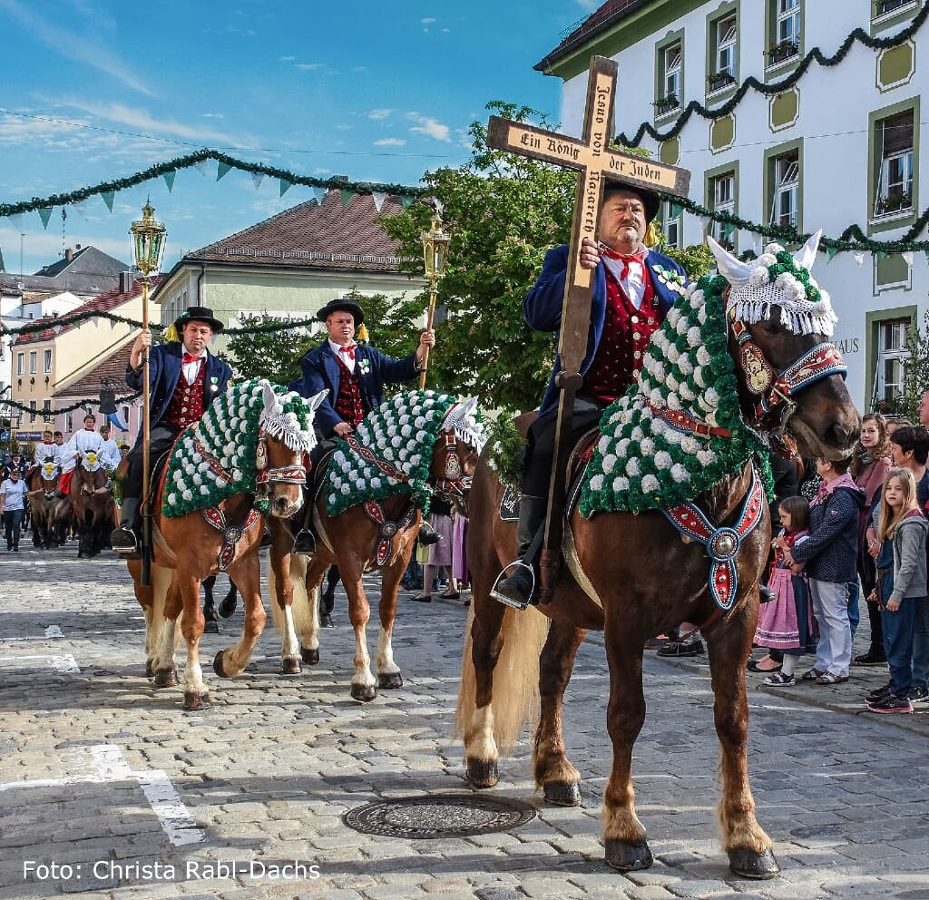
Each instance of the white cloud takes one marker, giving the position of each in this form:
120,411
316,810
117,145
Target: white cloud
377,114
427,21
286,58
589,5
322,171
141,119
213,116
72,46
390,142
343,127
430,127
308,67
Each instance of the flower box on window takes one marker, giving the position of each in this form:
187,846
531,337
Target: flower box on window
782,50
885,206
882,7
719,80
664,105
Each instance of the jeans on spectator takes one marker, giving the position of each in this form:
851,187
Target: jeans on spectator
12,523
898,643
830,607
921,643
854,613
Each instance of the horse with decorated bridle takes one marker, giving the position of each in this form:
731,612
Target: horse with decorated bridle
241,462
92,503
671,527
376,486
42,484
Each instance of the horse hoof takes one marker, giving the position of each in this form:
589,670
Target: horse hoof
390,681
482,773
218,665
290,665
211,626
227,608
563,793
196,700
364,692
165,677
149,668
749,864
627,857
310,657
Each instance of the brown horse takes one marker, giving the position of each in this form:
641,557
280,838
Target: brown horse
246,453
92,504
361,538
42,481
634,577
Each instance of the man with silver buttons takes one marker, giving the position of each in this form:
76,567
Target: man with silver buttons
633,289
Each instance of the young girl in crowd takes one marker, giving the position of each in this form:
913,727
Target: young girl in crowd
786,623
901,586
831,555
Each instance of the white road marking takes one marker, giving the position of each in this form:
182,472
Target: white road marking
110,765
63,665
43,595
53,631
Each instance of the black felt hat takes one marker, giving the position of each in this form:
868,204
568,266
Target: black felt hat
349,306
650,200
198,314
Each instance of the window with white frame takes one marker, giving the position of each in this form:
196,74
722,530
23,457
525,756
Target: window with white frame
20,363
32,412
894,145
671,219
892,356
723,198
33,362
788,22
48,362
47,411
672,75
726,35
786,200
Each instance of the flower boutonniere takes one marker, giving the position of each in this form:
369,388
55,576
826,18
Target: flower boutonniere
214,384
672,280
364,365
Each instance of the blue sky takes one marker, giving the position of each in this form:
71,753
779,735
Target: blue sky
377,91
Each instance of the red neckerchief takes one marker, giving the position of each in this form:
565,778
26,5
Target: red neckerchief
625,259
189,358
349,349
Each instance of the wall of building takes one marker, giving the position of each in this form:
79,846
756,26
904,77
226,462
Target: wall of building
834,124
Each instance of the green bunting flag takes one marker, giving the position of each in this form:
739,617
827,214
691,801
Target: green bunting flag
45,214
407,201
347,198
285,186
879,256
108,198
831,252
169,179
221,169
257,178
675,211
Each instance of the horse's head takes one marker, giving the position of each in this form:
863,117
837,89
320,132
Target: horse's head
285,434
456,452
90,476
791,377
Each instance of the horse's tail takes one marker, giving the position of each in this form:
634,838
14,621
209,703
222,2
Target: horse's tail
516,676
303,612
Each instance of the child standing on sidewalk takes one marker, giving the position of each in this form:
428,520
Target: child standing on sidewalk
785,623
901,586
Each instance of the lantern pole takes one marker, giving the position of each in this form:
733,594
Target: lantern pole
435,256
148,243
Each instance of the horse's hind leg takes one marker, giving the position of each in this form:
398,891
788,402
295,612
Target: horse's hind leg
389,676
623,834
196,695
364,686
559,780
247,574
749,848
211,620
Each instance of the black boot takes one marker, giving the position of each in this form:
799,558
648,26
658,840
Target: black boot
428,535
123,539
517,588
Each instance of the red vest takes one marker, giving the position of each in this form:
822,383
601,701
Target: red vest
625,337
186,406
349,404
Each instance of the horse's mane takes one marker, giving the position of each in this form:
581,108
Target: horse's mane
214,458
401,432
641,461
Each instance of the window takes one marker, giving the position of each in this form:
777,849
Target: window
894,145
672,220
884,7
126,420
33,362
48,362
20,363
785,205
32,412
726,46
672,75
892,355
723,200
785,36
47,411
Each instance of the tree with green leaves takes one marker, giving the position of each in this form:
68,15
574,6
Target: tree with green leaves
503,212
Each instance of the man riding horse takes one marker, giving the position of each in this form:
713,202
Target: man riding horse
633,289
185,378
354,375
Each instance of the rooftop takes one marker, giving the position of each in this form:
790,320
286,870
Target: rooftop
86,271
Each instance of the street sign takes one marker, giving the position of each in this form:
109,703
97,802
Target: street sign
4,435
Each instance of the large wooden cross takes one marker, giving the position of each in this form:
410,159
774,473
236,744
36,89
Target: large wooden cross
597,164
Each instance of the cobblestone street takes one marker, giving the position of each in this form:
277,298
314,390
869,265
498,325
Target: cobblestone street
108,788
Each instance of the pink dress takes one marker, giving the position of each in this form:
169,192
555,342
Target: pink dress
786,622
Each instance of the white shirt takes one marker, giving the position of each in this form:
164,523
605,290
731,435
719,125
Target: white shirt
634,283
13,494
111,454
49,452
191,369
82,442
345,357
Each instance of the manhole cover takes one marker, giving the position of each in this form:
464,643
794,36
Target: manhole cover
439,816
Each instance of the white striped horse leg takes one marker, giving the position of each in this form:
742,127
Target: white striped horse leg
388,672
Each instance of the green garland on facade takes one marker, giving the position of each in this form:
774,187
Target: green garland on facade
81,404
776,87
185,162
